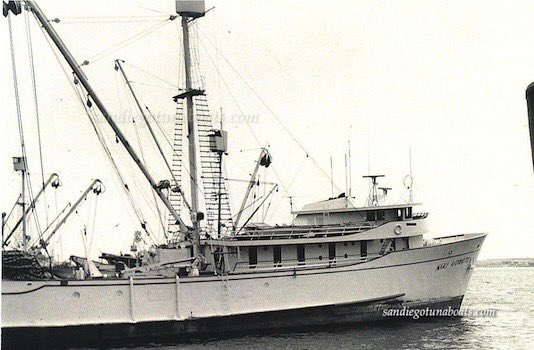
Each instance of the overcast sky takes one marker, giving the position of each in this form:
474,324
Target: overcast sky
446,79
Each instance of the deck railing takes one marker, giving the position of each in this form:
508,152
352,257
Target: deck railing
304,231
294,264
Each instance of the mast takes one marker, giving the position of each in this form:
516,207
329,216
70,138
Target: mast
373,195
191,135
23,205
43,20
189,11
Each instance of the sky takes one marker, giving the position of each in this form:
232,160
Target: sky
445,80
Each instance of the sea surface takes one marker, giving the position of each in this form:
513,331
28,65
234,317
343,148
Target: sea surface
509,290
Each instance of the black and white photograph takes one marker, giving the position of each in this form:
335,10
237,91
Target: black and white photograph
270,174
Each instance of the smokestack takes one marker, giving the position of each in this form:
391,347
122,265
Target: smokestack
530,105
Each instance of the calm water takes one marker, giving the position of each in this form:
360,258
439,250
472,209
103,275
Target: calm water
509,290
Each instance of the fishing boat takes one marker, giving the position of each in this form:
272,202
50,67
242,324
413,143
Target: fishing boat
336,263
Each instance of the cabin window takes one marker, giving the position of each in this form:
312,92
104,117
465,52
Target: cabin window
408,213
326,218
277,256
381,215
399,214
301,254
363,248
252,256
393,245
371,215
407,242
331,252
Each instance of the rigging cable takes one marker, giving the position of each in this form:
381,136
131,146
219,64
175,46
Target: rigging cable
125,42
284,187
273,113
36,101
151,74
110,158
144,161
20,124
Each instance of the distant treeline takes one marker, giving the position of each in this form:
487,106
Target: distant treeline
518,262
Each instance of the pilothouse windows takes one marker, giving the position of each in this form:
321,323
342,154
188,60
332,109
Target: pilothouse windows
371,215
381,215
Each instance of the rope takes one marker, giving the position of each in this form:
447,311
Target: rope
284,187
144,161
165,136
124,43
120,178
19,121
34,87
152,75
273,113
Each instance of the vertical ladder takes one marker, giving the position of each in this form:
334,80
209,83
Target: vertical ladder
176,166
210,172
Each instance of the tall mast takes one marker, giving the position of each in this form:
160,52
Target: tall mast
43,20
191,133
189,11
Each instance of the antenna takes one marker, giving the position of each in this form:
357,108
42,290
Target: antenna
346,177
408,179
291,203
331,178
411,176
350,172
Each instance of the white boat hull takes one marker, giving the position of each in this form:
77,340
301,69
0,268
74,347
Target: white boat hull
429,276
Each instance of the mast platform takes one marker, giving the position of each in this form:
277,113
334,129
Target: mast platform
192,92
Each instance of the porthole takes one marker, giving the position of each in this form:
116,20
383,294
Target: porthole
352,243
346,256
76,295
119,293
266,285
320,257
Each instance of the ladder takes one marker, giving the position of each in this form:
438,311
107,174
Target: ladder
386,246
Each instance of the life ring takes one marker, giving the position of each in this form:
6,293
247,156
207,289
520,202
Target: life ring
398,229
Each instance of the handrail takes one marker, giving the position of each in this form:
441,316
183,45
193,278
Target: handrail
305,231
303,265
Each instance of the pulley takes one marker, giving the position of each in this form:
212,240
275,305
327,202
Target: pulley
13,6
266,159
